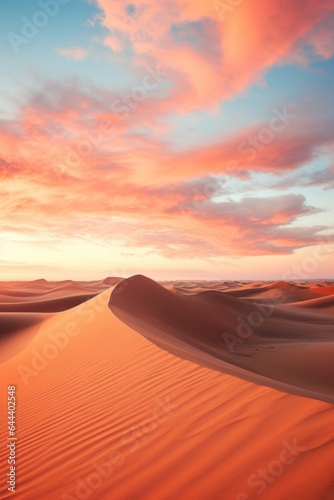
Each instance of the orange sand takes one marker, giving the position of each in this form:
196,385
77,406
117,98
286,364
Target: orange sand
144,400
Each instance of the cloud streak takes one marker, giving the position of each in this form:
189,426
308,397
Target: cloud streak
76,53
214,57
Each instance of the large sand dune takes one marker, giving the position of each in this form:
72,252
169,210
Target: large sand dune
284,348
146,399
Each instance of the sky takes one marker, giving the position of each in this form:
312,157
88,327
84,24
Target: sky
180,139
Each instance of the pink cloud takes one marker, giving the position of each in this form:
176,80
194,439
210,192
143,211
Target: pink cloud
73,132
244,43
130,187
102,198
77,53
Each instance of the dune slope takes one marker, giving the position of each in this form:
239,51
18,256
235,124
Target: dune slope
287,349
103,413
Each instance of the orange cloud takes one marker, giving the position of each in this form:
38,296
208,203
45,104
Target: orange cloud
129,187
103,198
214,52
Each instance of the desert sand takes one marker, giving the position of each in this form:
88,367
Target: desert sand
130,389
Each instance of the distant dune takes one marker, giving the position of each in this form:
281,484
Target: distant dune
127,389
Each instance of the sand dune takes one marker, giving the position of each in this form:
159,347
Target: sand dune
48,297
285,292
288,350
106,412
16,330
323,290
321,305
10,323
52,305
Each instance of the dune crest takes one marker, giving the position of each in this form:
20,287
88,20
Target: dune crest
289,349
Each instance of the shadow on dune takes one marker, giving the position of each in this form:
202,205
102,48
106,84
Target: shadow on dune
15,333
55,305
11,323
290,349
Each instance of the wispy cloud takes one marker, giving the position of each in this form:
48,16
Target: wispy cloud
77,53
232,53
